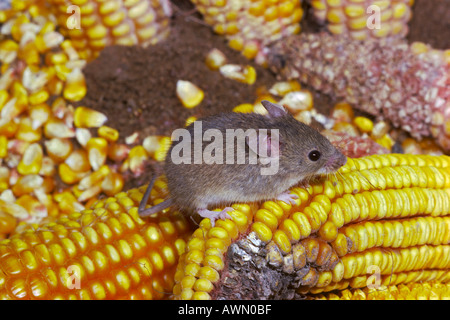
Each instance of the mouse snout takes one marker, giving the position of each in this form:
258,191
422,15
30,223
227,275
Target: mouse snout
335,162
342,160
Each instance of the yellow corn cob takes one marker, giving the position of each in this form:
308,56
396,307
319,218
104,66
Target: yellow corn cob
93,24
382,220
251,25
106,252
358,18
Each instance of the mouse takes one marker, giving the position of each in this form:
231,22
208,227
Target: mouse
241,157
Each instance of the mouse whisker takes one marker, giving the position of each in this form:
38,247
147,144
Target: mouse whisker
336,173
368,181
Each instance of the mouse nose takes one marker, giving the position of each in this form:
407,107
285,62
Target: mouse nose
342,160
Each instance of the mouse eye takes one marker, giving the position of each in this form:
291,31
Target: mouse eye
314,155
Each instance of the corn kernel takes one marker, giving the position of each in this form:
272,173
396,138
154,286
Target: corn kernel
31,162
215,59
97,149
88,118
189,94
75,88
108,133
244,74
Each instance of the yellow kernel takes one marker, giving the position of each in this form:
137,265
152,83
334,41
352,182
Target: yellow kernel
229,226
208,273
220,233
244,74
302,222
203,285
31,162
282,241
108,133
266,217
250,50
189,94
214,262
262,230
38,97
75,88
97,151
215,59
243,108
364,124
328,231
88,118
291,229
201,296
235,43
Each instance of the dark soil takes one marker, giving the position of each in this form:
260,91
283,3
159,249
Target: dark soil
431,23
135,87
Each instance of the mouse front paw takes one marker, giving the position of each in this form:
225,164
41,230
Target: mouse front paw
287,197
214,215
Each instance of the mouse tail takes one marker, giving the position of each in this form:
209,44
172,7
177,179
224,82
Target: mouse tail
149,211
159,207
144,199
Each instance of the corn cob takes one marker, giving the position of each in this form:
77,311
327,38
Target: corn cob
250,26
106,252
353,18
411,291
387,213
92,25
405,84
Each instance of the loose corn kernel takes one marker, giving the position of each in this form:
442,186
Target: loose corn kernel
244,108
244,74
189,94
97,149
164,145
363,124
297,101
31,162
75,86
88,118
137,158
284,87
78,161
118,152
108,133
56,128
215,59
68,175
58,149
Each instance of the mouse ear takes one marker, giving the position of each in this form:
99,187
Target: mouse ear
265,144
274,110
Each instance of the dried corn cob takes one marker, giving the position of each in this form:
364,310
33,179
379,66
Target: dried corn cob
251,25
384,212
358,18
405,84
92,25
106,252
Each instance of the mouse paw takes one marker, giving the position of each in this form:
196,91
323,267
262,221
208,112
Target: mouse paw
214,215
287,197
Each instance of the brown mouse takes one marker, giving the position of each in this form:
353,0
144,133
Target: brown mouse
269,155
